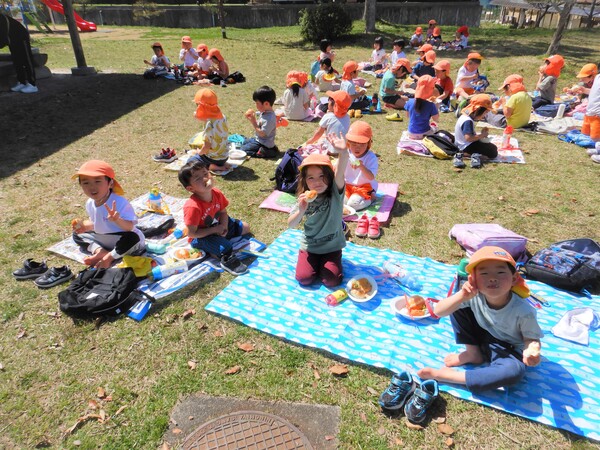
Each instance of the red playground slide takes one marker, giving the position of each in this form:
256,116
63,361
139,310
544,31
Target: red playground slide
83,25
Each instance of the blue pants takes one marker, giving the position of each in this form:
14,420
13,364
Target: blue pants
506,363
220,245
251,146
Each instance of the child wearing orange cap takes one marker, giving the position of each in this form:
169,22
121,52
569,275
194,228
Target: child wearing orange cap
515,111
336,121
436,37
296,100
321,203
110,232
548,77
461,40
495,324
187,54
586,79
203,64
389,93
159,62
468,72
421,111
416,40
430,28
424,66
442,78
219,71
214,151
359,100
591,119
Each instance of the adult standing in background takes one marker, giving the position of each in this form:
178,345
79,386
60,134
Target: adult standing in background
16,36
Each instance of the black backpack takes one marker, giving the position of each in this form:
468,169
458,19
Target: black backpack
155,224
99,292
573,265
286,173
445,140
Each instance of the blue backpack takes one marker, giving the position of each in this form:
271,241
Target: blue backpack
287,171
314,68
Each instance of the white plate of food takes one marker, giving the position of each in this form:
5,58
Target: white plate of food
348,211
237,154
361,288
412,308
188,254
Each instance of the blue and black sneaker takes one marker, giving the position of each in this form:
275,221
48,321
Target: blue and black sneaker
400,389
424,396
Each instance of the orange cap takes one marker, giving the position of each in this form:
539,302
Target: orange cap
316,159
215,53
403,62
432,22
442,65
208,107
554,66
348,68
98,168
419,30
425,86
292,78
429,57
464,30
201,47
589,70
478,101
511,79
342,102
302,78
474,55
425,48
437,31
186,39
157,44
360,131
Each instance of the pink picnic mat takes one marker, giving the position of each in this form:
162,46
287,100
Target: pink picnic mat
380,208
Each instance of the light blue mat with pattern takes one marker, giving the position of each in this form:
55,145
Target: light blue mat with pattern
563,391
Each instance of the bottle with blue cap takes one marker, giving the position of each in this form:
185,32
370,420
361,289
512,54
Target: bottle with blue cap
166,270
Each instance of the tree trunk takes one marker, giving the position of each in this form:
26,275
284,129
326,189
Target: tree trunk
590,23
563,21
370,15
522,18
221,14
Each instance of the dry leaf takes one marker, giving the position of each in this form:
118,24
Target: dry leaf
438,419
101,393
165,446
22,333
329,438
192,364
574,200
108,398
188,313
218,333
316,374
246,346
80,422
381,431
20,318
93,404
449,442
120,410
444,428
401,192
413,426
398,441
202,326
531,212
490,218
191,418
501,198
233,370
556,194
372,391
176,430
339,370
102,415
363,417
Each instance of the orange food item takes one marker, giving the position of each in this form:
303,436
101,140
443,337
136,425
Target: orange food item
311,196
415,306
76,224
182,253
361,288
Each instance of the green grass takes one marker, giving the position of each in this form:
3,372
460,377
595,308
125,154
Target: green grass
49,375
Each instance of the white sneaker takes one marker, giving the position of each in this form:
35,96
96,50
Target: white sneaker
18,88
29,89
596,158
598,146
593,151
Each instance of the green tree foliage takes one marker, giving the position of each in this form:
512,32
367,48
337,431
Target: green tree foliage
326,21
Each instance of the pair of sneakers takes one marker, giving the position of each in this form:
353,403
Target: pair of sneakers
166,155
24,88
595,153
404,392
459,163
232,264
356,113
368,227
42,276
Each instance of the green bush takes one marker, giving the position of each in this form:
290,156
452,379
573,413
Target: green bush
326,21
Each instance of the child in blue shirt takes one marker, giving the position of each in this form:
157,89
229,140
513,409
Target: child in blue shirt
420,110
262,145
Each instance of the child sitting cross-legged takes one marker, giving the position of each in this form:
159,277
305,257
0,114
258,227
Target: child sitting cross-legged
421,111
262,145
205,215
363,166
494,323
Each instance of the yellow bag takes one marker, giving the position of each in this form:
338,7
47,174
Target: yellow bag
197,140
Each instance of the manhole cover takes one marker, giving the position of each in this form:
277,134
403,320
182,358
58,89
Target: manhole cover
247,430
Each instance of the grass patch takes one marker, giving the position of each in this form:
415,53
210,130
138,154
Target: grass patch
51,373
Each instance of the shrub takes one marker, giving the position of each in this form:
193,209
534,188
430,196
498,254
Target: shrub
326,21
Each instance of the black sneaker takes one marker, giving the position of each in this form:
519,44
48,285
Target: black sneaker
54,277
233,265
398,392
267,153
31,269
476,161
422,399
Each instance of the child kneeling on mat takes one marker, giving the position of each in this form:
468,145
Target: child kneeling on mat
110,232
205,215
495,324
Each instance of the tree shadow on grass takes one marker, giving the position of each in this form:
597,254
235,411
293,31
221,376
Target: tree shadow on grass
66,109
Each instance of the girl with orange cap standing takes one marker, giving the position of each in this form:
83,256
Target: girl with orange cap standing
359,100
420,110
296,100
219,72
546,85
214,150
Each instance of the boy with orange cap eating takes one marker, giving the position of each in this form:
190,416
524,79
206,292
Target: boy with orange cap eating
546,85
515,111
493,321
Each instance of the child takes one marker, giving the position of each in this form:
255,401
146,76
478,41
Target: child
360,174
110,232
336,121
546,85
378,56
586,80
431,28
591,119
388,93
359,100
187,54
494,324
420,110
436,37
515,111
424,66
296,100
467,139
321,245
326,51
442,77
204,63
215,150
467,73
398,52
205,215
461,40
416,39
326,77
159,62
219,71
262,145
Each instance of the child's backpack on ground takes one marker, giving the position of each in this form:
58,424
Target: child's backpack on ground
236,77
155,224
155,72
286,173
573,265
473,236
99,292
440,147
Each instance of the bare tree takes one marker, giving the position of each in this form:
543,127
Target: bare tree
543,7
565,14
369,15
590,23
221,15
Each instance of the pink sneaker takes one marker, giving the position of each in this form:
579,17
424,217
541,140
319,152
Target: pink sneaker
374,232
362,230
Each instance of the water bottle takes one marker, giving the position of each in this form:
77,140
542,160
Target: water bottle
506,137
561,111
337,297
156,247
402,276
461,275
178,233
166,270
154,202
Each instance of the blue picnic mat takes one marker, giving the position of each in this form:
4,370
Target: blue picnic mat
561,392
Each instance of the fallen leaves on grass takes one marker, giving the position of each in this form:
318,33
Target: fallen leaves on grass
371,391
177,430
218,333
22,333
449,442
413,426
246,346
444,428
381,431
101,393
329,438
233,370
188,313
119,411
93,404
192,364
165,446
530,212
363,417
439,419
339,370
81,421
